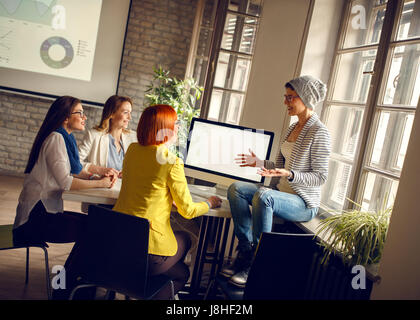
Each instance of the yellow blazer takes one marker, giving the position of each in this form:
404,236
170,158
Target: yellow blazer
152,179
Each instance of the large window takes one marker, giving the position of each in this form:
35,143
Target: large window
222,56
374,91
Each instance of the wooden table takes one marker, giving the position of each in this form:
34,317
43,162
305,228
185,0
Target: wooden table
215,219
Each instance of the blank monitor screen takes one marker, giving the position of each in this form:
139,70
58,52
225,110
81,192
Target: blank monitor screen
213,146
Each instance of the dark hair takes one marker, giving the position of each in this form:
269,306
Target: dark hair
111,106
56,115
288,85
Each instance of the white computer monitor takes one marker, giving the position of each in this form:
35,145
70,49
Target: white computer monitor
213,146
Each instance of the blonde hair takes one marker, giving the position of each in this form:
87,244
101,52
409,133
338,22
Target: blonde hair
112,104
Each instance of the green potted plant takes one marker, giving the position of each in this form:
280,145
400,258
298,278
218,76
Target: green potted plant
180,94
357,235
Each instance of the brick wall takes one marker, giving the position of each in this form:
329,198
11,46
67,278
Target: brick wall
158,33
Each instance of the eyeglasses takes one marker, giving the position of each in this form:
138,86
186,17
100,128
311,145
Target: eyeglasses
81,113
290,98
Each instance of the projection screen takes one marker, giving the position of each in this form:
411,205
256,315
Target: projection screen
52,48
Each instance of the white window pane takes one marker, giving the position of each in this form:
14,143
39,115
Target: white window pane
365,23
221,70
232,72
408,26
334,191
235,107
239,33
241,74
391,140
344,124
403,80
379,192
215,104
353,76
404,141
380,138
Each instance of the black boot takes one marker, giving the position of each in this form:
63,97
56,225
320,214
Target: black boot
245,254
242,261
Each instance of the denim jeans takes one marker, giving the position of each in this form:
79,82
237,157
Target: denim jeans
265,202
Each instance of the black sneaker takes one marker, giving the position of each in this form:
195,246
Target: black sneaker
242,261
228,271
239,279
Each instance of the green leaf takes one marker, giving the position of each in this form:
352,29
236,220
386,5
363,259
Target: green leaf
357,235
180,94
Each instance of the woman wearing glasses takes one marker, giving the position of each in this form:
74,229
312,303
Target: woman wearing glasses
103,147
52,168
154,179
300,169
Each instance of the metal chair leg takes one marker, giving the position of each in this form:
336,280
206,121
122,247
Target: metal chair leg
47,274
27,266
172,290
210,288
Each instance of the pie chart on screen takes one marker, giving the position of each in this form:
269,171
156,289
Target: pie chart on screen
56,52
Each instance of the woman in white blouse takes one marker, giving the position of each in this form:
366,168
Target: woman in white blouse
52,168
103,147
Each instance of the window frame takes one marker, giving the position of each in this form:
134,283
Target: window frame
373,106
218,31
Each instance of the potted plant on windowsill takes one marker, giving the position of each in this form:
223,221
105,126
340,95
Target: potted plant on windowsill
357,235
180,94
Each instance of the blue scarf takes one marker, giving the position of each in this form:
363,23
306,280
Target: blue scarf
72,151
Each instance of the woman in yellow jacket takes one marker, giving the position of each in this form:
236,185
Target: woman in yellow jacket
153,179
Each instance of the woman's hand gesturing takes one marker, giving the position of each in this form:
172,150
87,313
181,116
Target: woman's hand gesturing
248,160
274,172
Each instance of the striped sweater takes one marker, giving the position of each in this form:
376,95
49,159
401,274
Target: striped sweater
308,162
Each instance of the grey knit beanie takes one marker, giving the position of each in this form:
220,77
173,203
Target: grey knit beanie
310,90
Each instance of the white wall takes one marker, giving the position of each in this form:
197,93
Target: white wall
276,58
322,39
400,262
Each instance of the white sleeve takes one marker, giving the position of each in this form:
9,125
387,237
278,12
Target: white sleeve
56,157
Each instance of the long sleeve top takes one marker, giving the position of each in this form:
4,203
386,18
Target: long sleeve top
94,148
309,161
153,178
49,177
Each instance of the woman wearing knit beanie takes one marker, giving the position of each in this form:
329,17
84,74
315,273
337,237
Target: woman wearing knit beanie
300,169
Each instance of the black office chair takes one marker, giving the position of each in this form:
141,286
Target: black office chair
116,255
7,243
279,271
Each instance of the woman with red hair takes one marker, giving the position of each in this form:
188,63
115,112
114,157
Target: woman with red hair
153,179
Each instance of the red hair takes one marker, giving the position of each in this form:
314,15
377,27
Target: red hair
156,125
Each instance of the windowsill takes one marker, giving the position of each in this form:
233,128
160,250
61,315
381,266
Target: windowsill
372,271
